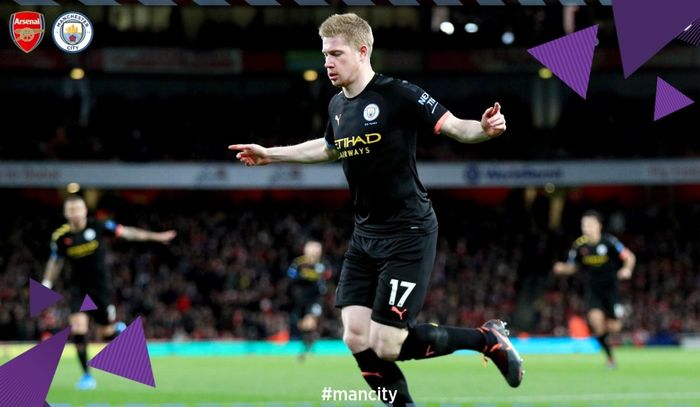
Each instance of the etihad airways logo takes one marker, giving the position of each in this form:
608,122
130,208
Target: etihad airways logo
356,145
595,260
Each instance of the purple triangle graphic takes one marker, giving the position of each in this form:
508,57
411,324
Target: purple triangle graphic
644,27
668,99
40,298
570,58
691,34
88,304
25,380
127,356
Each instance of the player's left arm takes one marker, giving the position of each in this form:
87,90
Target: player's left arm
492,124
52,270
629,260
136,234
142,235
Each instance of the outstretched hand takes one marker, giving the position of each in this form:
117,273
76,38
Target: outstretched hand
251,154
165,237
493,121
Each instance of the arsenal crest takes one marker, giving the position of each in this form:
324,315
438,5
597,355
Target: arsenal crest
27,29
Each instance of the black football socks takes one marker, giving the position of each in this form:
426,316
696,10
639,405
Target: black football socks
385,377
80,342
603,341
429,341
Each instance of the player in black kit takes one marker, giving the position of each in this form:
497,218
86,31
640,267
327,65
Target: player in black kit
81,242
309,276
373,125
605,260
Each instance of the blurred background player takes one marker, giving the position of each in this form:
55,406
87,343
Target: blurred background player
309,276
373,125
605,260
81,242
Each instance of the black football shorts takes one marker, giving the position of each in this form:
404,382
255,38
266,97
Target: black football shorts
389,275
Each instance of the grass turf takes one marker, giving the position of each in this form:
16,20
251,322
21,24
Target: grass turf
644,378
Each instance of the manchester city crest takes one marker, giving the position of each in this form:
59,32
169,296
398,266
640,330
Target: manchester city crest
371,112
72,32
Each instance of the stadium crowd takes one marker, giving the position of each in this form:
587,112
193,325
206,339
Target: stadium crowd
224,275
192,126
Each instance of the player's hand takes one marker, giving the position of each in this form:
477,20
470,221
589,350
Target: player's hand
559,268
624,273
47,283
251,154
493,121
165,237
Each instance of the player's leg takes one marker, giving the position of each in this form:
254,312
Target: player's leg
355,296
308,326
597,321
378,373
80,323
105,317
295,316
614,312
356,327
613,326
403,284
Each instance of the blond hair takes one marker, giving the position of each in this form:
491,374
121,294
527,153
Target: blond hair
351,27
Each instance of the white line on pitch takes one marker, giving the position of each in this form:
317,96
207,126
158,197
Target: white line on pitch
573,397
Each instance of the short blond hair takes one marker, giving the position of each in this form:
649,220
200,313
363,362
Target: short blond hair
351,27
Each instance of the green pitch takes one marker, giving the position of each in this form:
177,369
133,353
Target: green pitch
644,378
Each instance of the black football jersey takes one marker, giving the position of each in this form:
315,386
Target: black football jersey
85,252
375,134
600,261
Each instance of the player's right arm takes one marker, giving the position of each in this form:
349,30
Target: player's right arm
53,269
565,269
309,152
55,263
293,270
569,267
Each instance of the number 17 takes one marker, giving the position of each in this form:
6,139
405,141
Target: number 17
394,288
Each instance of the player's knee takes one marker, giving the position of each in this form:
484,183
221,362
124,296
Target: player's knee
355,341
386,350
386,344
598,329
614,326
79,329
105,331
386,341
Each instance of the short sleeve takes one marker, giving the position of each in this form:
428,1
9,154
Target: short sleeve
573,255
58,251
110,228
329,136
293,270
427,109
617,246
57,244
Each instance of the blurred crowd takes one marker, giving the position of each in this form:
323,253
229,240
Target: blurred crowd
224,276
134,119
